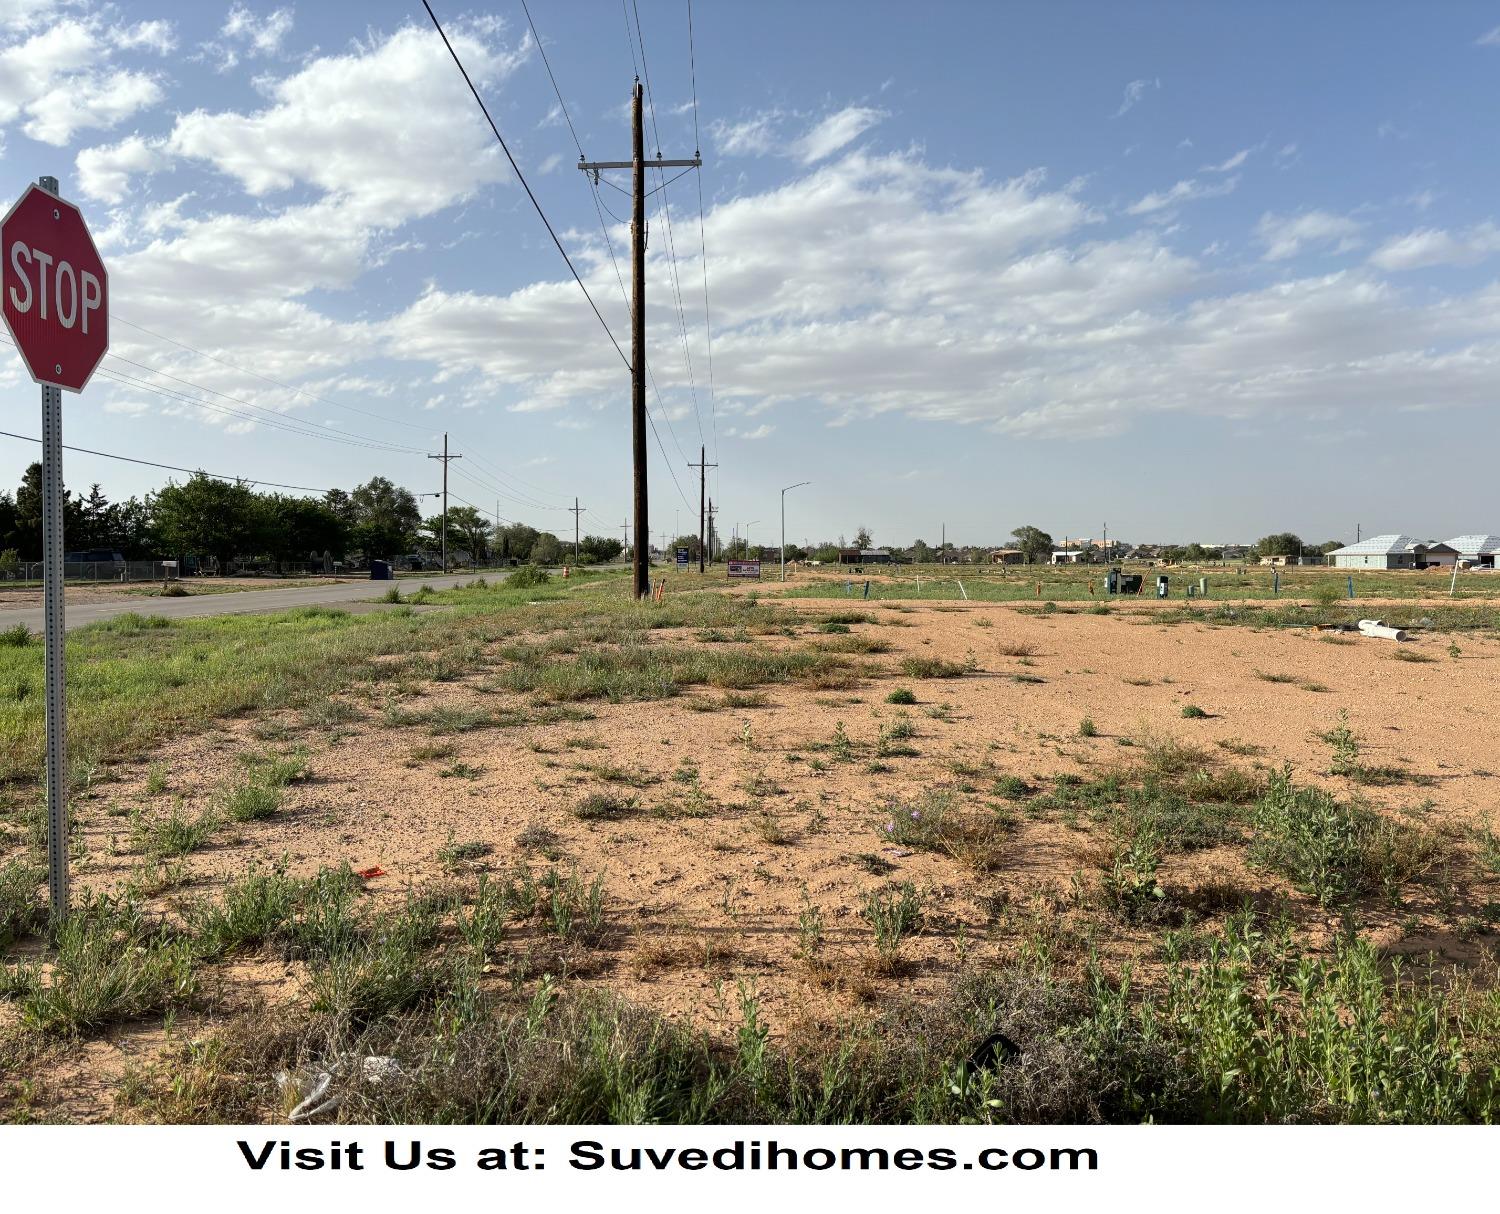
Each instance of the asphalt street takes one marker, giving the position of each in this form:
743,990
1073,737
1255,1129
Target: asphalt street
238,602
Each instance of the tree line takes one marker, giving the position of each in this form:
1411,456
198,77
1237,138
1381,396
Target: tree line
229,520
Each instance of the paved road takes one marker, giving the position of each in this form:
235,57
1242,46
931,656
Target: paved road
238,602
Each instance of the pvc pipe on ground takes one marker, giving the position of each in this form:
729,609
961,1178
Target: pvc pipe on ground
1374,628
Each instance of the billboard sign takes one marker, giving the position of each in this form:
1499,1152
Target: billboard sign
744,569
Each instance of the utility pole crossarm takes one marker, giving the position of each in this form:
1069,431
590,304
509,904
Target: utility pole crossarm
598,166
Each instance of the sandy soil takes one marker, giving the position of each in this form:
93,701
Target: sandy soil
699,904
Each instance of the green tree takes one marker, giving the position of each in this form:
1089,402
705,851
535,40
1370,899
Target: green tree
547,550
1283,543
469,530
921,553
600,548
863,539
1328,546
1034,543
515,541
386,518
209,517
298,528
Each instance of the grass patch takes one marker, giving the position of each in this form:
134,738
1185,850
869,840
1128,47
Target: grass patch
932,668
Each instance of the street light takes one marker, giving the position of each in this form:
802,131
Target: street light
748,525
798,485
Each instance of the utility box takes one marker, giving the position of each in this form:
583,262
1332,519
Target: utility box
380,571
1161,585
1112,582
1203,588
1130,583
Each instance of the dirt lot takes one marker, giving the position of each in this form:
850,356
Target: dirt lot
739,836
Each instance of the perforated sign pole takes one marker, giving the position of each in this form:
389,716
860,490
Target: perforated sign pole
55,632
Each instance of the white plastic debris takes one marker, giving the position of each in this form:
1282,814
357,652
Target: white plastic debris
1375,628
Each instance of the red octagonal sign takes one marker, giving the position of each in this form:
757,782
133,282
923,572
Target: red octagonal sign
56,292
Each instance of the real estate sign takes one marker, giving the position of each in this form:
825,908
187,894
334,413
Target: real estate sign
682,558
744,569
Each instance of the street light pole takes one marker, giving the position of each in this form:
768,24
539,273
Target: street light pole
798,485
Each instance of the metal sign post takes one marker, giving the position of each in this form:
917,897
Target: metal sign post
55,633
56,305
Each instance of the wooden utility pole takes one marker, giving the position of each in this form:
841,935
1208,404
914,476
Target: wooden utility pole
575,510
445,457
703,468
641,561
712,510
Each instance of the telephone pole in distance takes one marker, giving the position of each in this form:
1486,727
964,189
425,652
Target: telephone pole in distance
576,511
703,466
445,457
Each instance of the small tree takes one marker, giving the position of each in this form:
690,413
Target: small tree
547,550
1033,542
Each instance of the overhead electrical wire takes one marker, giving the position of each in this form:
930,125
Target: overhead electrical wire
394,421
273,414
463,71
130,459
666,213
708,331
609,243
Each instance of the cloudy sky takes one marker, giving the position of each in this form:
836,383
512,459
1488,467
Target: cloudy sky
1197,272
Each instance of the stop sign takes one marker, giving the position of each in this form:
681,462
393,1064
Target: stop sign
55,289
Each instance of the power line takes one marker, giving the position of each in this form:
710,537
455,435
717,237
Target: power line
395,421
666,213
26,438
272,413
708,331
463,71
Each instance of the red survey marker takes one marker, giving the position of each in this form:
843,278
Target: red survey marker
55,290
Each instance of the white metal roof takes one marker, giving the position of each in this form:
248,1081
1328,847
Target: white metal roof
1376,545
1473,545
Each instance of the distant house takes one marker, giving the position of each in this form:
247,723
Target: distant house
864,556
1233,552
1380,552
1475,549
1440,555
1069,556
1007,556
1279,558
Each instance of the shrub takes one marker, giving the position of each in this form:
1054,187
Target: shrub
1087,728
902,695
526,577
1329,848
1192,712
16,636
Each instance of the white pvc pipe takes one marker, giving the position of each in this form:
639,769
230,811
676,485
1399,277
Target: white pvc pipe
1374,628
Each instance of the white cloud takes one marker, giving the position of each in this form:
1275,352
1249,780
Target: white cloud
60,80
1287,235
1436,247
105,172
1228,166
1489,38
835,131
761,431
752,137
1134,92
389,126
155,36
262,35
1183,191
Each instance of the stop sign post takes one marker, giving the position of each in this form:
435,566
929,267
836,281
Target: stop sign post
54,294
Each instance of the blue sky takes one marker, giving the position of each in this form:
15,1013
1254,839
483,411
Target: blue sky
1196,271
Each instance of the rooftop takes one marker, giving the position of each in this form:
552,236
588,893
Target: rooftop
1376,545
1474,544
